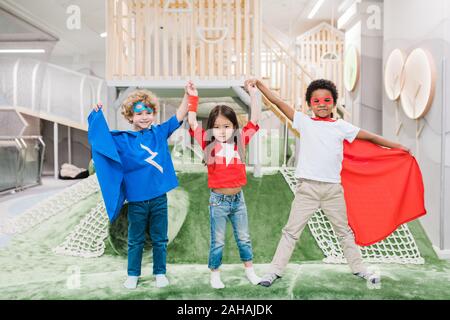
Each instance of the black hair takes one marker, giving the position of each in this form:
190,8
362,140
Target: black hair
227,112
321,84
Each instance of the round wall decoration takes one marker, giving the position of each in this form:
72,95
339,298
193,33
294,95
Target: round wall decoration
420,82
351,68
394,74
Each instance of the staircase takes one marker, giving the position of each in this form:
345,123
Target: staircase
284,73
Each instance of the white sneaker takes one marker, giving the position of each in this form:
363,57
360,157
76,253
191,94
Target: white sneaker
215,281
251,276
161,281
131,282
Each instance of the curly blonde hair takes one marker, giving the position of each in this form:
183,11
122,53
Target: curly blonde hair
145,96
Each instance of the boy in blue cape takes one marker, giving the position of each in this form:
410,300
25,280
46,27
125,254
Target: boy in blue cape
136,166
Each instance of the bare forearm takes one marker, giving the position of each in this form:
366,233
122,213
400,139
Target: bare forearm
255,109
374,138
183,109
283,106
192,120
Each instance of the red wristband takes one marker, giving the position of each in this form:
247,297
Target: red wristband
193,103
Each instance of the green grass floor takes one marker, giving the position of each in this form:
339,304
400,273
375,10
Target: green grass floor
29,269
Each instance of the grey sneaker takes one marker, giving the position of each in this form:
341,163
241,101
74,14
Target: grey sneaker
268,279
369,276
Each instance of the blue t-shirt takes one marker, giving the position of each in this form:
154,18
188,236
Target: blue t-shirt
147,164
131,165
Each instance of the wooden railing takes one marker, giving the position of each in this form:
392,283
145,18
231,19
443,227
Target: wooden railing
283,71
285,74
178,40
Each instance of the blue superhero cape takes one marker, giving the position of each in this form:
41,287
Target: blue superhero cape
108,165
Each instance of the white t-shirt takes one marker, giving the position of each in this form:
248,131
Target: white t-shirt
322,147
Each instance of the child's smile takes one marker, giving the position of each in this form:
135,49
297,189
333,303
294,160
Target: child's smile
142,120
322,103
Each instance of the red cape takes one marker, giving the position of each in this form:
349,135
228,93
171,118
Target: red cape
383,189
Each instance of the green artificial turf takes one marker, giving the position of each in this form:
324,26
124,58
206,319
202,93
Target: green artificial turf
30,270
268,203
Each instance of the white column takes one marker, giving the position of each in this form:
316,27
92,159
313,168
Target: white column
55,150
69,145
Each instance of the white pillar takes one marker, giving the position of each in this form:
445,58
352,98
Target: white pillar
69,145
55,150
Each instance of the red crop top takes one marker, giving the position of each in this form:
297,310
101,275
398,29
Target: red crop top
227,171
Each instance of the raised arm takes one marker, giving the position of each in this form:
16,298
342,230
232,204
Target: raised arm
272,97
182,110
192,92
254,103
366,135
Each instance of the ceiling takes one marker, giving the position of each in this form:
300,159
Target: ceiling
48,18
291,16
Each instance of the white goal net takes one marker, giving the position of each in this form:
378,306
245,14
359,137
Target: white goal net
399,247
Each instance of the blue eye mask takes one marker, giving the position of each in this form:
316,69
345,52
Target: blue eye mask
140,106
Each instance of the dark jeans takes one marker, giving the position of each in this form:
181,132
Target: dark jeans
140,214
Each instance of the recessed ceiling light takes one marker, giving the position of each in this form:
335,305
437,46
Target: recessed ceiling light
104,34
22,51
316,8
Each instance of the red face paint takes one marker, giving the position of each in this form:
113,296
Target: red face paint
327,101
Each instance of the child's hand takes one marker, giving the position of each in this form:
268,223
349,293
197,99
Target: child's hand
250,82
250,86
97,107
190,89
405,149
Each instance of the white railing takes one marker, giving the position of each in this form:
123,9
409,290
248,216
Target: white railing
49,91
153,40
288,76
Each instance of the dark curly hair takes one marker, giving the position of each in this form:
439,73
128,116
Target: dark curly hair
321,84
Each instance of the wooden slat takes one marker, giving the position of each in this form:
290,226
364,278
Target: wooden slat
201,23
229,42
139,41
257,31
192,50
184,27
129,39
148,37
156,41
238,51
165,35
247,38
220,23
210,46
174,28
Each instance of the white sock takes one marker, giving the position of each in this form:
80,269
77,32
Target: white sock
161,281
131,282
215,281
251,275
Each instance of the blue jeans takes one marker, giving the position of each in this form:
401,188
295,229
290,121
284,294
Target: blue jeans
232,208
140,214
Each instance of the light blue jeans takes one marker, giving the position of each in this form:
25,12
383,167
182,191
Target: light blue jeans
222,208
